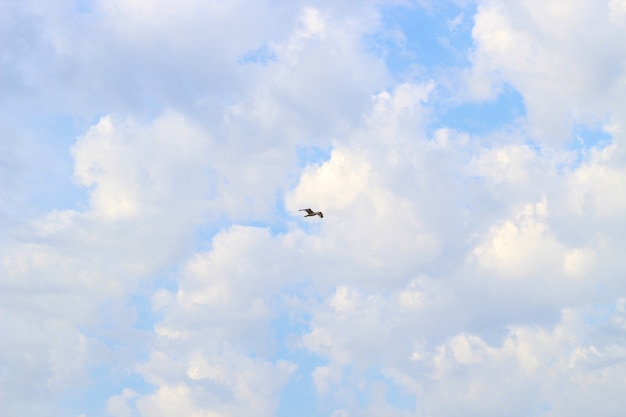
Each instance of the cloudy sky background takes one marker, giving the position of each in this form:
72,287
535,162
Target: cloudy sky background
469,157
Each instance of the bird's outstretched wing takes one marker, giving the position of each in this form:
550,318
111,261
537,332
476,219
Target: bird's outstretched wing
308,211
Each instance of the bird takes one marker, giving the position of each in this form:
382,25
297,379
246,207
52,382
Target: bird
310,213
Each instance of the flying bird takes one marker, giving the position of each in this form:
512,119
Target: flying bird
310,213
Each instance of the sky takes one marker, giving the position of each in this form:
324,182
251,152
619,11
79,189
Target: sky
469,157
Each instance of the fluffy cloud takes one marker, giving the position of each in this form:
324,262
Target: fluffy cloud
452,273
529,369
136,171
560,57
219,317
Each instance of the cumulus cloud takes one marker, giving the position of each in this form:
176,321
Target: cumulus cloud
454,271
567,72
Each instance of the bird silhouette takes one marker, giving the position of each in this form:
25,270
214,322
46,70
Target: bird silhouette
310,213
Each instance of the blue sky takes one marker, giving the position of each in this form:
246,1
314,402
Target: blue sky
468,157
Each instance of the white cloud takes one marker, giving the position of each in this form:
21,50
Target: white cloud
617,10
222,383
215,331
593,184
536,368
567,71
137,170
118,405
463,274
522,248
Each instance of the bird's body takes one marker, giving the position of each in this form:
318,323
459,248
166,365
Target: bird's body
310,213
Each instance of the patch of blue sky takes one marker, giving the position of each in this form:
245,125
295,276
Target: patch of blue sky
204,234
50,164
483,117
84,6
104,382
298,396
369,387
399,398
289,323
262,55
282,217
430,38
394,395
277,223
598,314
586,137
140,301
312,155
435,40
146,317
117,373
534,145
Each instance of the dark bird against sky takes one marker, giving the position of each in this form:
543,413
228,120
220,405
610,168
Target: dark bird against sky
310,213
